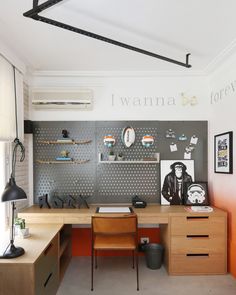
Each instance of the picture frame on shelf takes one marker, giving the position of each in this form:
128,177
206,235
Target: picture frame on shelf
197,194
223,153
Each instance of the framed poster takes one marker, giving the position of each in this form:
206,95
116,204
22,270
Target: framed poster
176,177
197,194
223,146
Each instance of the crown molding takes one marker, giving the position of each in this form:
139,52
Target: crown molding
117,74
222,57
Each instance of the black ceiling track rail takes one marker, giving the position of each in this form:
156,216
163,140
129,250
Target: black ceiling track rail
34,14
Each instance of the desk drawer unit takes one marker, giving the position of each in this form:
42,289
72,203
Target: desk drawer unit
47,270
197,244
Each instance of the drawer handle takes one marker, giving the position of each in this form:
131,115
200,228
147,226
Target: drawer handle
196,217
197,236
47,249
47,280
198,254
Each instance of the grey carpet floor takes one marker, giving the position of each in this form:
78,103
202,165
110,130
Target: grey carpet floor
115,276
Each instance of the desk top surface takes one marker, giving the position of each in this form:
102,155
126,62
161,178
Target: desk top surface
40,237
42,232
150,210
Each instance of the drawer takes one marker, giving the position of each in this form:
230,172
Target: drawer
49,255
200,264
198,225
49,284
197,244
46,264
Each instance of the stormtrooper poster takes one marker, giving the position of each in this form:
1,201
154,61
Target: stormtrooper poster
197,194
176,177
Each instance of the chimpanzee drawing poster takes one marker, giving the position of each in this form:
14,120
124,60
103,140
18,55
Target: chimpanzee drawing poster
176,177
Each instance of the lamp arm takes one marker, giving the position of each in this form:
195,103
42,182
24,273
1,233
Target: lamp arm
12,224
14,154
16,141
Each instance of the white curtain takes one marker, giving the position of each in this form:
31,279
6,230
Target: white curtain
3,173
20,104
7,102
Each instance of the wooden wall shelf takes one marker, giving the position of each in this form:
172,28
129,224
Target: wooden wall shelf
62,162
155,160
61,142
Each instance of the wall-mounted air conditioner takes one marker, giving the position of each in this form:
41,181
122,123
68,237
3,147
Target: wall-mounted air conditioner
62,99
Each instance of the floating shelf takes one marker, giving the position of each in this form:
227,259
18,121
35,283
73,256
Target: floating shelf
61,142
62,162
155,160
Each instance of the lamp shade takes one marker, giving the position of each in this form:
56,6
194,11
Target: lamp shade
13,192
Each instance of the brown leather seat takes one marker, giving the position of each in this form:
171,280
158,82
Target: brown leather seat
121,242
117,232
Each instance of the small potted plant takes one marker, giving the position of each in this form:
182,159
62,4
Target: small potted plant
21,229
120,156
111,156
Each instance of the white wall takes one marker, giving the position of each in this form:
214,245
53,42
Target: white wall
222,97
131,98
222,94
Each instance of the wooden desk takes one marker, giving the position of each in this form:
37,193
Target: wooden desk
195,243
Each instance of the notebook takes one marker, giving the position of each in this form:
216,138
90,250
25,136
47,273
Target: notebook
114,210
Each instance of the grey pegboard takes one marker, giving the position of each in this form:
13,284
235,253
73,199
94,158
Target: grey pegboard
118,183
64,179
108,183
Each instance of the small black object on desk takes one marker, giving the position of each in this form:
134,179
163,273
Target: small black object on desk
43,201
82,201
58,202
138,203
70,201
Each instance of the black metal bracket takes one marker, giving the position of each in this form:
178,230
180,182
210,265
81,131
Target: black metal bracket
34,14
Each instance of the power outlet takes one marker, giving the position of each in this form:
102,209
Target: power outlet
144,240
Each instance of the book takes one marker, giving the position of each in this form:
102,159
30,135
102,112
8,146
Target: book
200,209
65,140
114,210
63,159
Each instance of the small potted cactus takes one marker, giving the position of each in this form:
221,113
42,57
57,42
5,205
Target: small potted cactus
111,156
20,227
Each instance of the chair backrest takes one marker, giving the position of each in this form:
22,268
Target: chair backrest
108,225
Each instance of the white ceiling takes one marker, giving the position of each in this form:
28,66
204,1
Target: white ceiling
172,28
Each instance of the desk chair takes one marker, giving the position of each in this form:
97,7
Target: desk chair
116,232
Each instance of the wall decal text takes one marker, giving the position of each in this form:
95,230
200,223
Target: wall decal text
229,89
153,101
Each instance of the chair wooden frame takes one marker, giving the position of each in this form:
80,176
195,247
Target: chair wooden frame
114,232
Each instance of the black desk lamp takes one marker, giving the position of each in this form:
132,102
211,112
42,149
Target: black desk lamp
12,192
